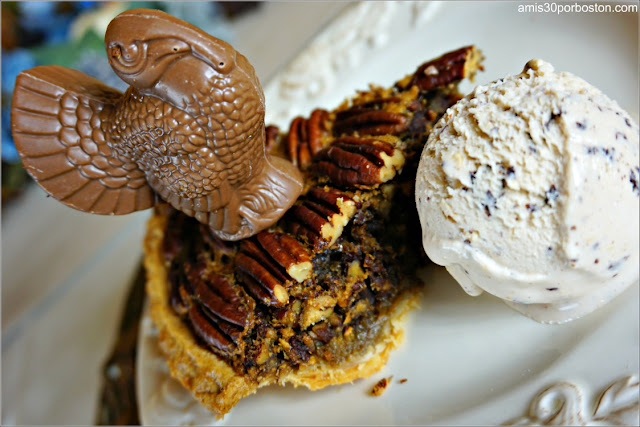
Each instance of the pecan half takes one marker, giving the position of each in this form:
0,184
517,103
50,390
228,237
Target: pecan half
359,162
206,330
216,293
369,121
268,263
304,139
261,281
180,291
448,68
321,216
271,140
218,311
288,253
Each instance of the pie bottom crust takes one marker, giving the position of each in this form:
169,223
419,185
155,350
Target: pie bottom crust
210,379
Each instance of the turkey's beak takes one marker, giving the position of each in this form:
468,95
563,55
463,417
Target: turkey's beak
216,53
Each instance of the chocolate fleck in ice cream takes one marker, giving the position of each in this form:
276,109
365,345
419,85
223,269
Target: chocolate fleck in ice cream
528,189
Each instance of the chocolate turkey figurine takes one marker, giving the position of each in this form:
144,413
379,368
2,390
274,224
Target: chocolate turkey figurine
189,129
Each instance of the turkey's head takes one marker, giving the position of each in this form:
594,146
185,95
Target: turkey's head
162,56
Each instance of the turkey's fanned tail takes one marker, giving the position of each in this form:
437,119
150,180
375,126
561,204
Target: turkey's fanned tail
58,121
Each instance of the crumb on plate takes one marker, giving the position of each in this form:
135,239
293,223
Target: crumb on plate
380,386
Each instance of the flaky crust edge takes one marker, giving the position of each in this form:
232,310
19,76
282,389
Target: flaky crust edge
209,378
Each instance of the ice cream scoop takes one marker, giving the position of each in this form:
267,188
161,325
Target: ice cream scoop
528,189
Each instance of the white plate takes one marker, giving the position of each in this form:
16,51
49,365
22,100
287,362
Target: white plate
466,360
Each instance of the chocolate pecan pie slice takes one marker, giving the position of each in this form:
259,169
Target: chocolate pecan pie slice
318,298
